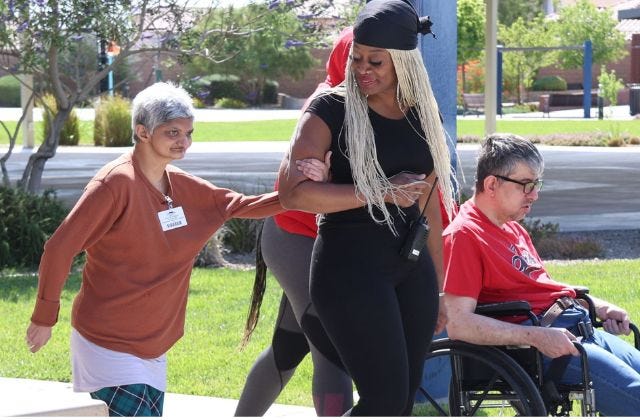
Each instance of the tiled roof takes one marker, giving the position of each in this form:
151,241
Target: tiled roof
629,27
629,4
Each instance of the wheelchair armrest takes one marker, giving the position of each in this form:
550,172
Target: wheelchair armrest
516,307
581,291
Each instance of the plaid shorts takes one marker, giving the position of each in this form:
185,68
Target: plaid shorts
136,400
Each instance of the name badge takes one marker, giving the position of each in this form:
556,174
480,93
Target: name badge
172,218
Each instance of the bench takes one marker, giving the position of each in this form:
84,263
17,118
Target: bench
563,100
472,103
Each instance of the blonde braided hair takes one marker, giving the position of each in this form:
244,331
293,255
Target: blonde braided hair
414,90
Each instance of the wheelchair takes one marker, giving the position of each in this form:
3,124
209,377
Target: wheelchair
508,380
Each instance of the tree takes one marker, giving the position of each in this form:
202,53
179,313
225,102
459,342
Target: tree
520,67
279,44
39,37
510,10
609,85
584,21
471,26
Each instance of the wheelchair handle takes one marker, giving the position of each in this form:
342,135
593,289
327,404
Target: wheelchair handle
634,329
588,401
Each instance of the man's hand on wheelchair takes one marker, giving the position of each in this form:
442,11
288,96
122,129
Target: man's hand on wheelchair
555,342
615,320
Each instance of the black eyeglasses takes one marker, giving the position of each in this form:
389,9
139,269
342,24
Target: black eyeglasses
527,187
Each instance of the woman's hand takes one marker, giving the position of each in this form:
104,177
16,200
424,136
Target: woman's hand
315,169
37,336
411,187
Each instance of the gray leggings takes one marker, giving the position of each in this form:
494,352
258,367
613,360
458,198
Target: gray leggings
288,256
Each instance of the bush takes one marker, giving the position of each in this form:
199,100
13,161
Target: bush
26,222
549,83
211,253
551,246
70,133
538,230
224,86
230,103
213,87
239,235
99,127
197,88
9,92
569,248
198,103
270,92
610,85
112,123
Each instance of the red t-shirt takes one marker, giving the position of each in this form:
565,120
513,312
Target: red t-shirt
493,264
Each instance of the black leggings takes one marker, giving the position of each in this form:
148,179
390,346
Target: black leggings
378,309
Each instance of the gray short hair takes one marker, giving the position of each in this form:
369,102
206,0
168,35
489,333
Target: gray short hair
159,103
501,153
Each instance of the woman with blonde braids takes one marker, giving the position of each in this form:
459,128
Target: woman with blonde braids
389,153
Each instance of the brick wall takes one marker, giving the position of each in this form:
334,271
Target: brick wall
305,87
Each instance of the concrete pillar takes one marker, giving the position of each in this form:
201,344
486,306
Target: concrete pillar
28,141
440,58
491,68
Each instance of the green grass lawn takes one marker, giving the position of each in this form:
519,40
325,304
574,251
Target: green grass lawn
544,127
207,360
282,129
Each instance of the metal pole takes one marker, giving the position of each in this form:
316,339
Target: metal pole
586,78
499,82
110,75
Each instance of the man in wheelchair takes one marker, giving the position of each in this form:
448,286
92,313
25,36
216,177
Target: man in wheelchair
489,258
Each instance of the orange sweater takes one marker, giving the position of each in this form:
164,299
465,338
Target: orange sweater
136,278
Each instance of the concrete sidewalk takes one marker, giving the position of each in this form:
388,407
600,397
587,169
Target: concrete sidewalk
34,398
192,406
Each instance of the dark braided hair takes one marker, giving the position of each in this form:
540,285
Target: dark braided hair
259,287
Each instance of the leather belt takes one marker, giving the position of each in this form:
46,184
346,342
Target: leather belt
582,329
554,311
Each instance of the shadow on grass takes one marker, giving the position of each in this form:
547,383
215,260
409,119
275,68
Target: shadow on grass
16,286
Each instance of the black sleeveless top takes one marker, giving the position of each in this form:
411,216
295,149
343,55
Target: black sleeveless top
400,146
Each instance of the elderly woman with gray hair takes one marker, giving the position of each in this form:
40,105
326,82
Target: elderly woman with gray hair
141,222
375,290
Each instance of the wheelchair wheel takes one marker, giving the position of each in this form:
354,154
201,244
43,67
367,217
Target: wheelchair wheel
484,382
